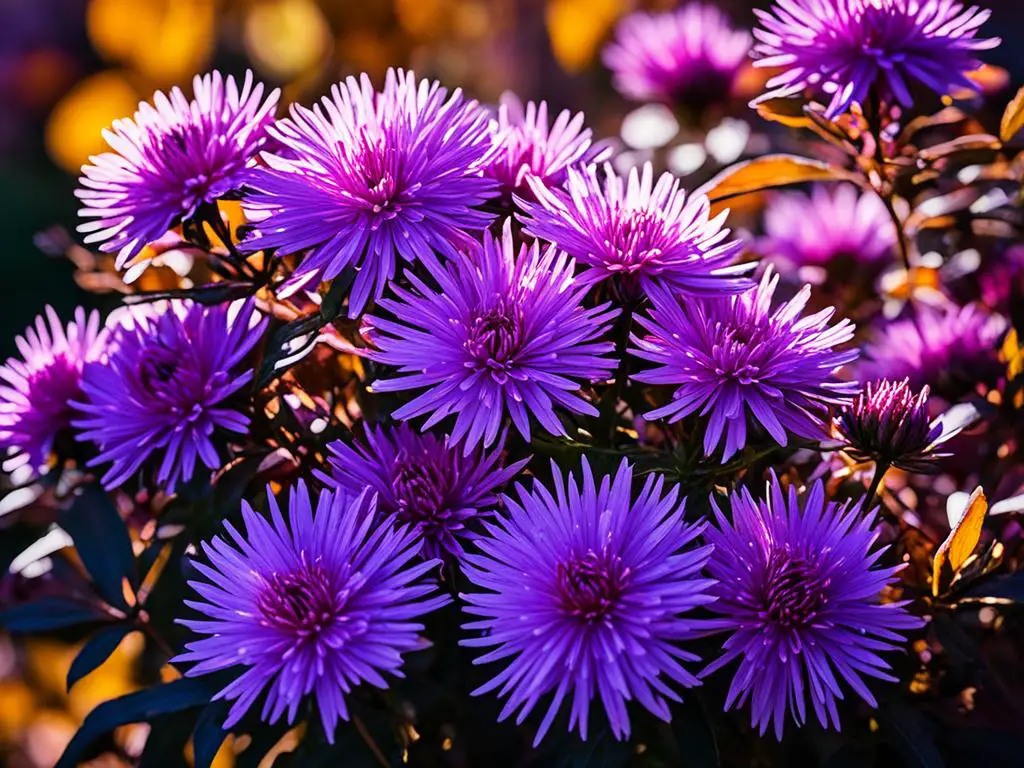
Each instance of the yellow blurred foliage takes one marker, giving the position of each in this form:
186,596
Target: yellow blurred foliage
75,124
167,41
285,38
577,28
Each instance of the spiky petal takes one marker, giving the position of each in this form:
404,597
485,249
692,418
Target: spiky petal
584,591
505,336
308,605
735,358
798,589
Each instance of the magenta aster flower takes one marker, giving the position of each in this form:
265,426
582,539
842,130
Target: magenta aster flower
309,606
889,423
36,391
736,356
643,232
172,158
847,48
506,335
528,145
424,481
797,586
163,394
368,178
584,590
949,350
690,55
833,223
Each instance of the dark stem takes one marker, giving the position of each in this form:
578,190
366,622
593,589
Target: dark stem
365,734
608,422
881,468
874,112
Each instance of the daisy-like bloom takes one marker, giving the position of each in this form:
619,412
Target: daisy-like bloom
641,232
949,350
422,480
889,423
506,335
309,607
831,224
369,178
731,356
847,48
173,157
163,393
584,590
527,144
797,586
691,55
37,389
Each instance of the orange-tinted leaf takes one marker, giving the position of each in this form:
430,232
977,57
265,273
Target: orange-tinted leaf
770,172
962,540
786,111
1013,117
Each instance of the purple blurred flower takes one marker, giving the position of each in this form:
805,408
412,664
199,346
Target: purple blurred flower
171,159
889,423
423,481
36,390
528,145
690,55
506,335
733,355
847,48
312,606
949,350
648,233
368,178
828,225
797,587
163,393
586,592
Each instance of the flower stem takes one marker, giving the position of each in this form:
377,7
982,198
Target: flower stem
881,468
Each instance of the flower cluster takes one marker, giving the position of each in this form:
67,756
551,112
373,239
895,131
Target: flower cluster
517,388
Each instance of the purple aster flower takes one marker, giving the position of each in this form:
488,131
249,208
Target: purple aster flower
889,423
733,355
832,224
311,606
585,591
172,158
528,145
163,394
797,587
690,55
36,391
368,178
424,481
506,335
643,232
848,48
949,350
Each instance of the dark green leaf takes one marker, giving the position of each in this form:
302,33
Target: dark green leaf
102,543
911,734
1009,587
96,651
165,745
212,294
50,613
693,733
146,704
209,733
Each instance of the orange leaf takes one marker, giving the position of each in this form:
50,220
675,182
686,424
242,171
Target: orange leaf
789,112
962,540
1013,117
770,172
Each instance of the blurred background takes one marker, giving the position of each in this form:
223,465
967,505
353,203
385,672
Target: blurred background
70,67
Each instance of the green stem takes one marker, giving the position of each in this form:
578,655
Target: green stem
881,468
608,423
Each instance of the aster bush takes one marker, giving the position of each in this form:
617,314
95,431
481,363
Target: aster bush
421,430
